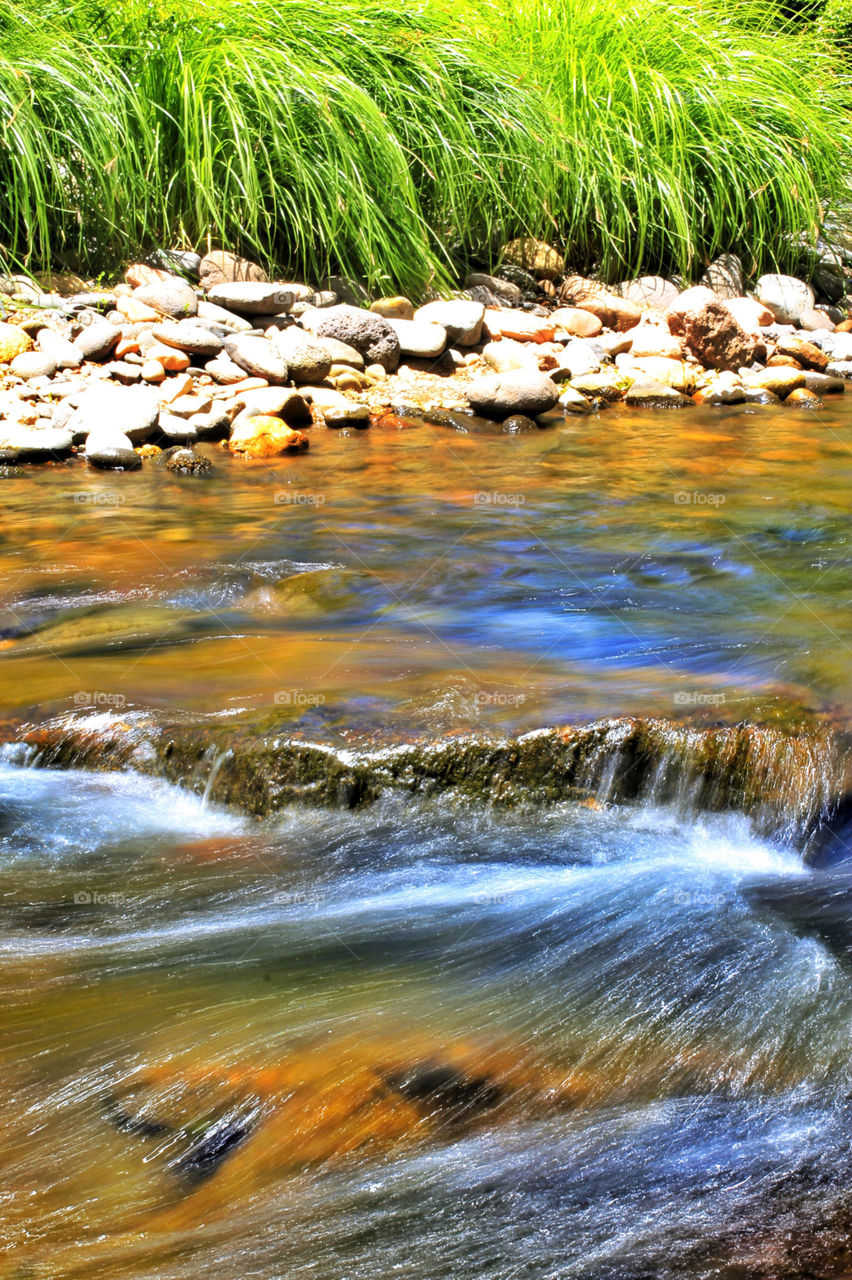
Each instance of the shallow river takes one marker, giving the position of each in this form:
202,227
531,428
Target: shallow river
423,1039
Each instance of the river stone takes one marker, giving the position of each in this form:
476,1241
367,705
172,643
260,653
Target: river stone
397,308
97,340
646,394
131,410
650,293
806,353
578,358
785,296
750,314
170,297
189,336
224,370
686,303
654,340
258,357
33,364
419,339
815,319
371,335
716,339
272,402
824,384
500,395
535,256
509,294
725,276
840,368
215,425
264,437
35,444
177,430
802,398
460,317
608,385
508,354
342,353
62,352
576,321
185,462
781,380
180,262
221,267
221,317
573,402
613,311
252,298
111,450
337,409
13,341
307,360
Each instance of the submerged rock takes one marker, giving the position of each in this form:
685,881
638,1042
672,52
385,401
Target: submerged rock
786,782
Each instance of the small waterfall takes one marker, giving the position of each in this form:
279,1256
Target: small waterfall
787,783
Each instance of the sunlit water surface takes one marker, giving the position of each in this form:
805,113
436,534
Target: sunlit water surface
679,1060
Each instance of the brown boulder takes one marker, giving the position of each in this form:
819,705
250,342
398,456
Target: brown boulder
221,267
716,339
688,301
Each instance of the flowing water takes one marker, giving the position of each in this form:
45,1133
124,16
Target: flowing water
424,1038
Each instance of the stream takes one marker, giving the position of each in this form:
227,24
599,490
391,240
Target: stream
426,1037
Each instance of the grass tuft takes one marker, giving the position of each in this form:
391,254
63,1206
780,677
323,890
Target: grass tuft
392,142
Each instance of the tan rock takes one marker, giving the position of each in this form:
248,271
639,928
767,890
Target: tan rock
609,384
397,308
64,283
779,381
126,346
153,371
169,357
13,342
749,313
687,302
519,325
647,394
139,273
613,311
577,322
265,437
135,311
808,355
803,398
813,320
654,340
536,256
221,267
179,385
679,374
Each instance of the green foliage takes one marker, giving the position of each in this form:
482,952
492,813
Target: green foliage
384,139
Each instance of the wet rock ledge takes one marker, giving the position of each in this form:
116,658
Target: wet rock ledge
789,783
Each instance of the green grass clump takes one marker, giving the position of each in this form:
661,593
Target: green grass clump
393,142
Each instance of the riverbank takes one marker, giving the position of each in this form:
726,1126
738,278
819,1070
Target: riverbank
120,375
